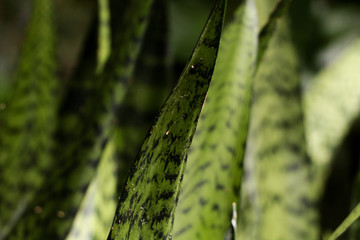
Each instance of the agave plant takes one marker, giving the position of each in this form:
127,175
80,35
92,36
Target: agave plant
245,146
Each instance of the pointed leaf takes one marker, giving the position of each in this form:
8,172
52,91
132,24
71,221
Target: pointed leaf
277,198
147,92
331,104
104,41
353,216
146,207
95,214
214,167
84,130
28,122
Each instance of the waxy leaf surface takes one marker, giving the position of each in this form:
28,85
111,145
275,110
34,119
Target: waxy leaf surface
214,168
147,204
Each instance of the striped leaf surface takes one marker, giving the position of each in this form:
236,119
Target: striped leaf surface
214,168
277,199
83,131
95,215
147,92
147,204
28,121
330,106
149,87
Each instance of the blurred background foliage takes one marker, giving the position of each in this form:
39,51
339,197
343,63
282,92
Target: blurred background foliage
321,30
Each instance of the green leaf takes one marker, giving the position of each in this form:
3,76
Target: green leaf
214,167
150,86
147,204
331,105
353,216
264,9
267,31
104,41
95,214
147,92
29,119
84,130
277,198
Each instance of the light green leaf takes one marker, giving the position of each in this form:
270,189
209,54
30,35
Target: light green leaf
95,214
353,216
277,199
264,9
104,41
331,105
214,168
147,204
267,30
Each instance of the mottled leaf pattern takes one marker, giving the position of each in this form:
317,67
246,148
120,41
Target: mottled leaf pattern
330,106
97,209
28,122
227,158
214,168
147,203
147,91
277,199
84,129
266,33
149,87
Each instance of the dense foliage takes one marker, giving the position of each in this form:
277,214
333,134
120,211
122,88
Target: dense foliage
258,138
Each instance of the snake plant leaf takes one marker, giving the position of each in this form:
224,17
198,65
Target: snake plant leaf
353,216
147,204
213,173
104,41
28,122
147,92
267,31
83,132
88,223
277,198
330,106
95,215
264,10
150,86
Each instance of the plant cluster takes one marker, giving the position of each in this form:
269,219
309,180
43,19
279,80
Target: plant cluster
244,146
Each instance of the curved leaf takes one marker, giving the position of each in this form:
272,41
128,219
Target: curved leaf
95,214
147,204
104,41
147,92
84,129
353,216
28,122
214,167
278,201
330,106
